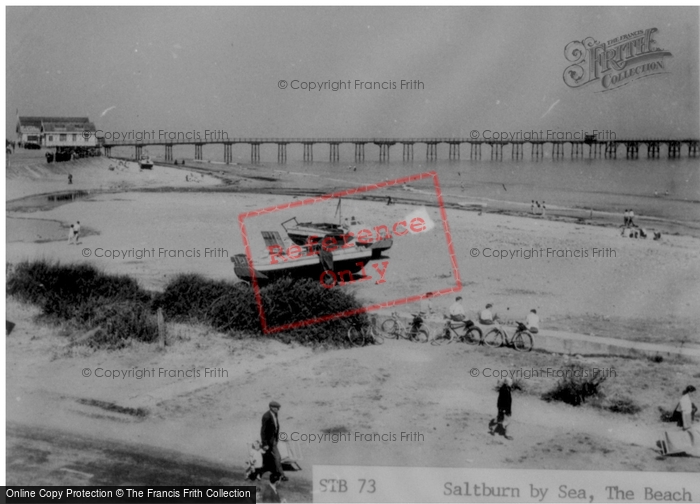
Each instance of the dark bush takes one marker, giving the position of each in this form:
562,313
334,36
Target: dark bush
577,384
191,297
624,405
90,298
230,307
61,289
122,321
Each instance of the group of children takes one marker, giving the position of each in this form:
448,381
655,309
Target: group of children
542,207
532,323
634,231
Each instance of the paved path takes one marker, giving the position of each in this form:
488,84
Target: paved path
573,343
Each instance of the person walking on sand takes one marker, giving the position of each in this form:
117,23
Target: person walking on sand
269,437
70,179
504,405
71,235
532,207
544,208
631,218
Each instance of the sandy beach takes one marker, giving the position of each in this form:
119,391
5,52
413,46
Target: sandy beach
581,278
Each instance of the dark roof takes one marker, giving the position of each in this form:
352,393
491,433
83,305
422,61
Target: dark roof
38,120
67,127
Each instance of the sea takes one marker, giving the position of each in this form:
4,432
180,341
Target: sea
663,193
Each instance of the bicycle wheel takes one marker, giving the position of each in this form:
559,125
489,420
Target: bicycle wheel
355,336
442,338
523,342
494,338
421,336
372,335
391,328
473,336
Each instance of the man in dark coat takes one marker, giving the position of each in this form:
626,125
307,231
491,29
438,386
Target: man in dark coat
504,404
269,437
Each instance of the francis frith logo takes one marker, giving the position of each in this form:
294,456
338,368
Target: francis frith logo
616,62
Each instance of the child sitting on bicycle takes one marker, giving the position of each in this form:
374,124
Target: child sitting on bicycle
486,317
532,323
457,310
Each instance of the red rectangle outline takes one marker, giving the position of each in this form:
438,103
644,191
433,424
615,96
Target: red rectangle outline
340,194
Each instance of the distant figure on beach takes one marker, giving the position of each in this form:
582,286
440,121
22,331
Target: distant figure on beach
657,236
686,409
533,322
176,162
457,310
504,404
642,233
544,208
631,217
532,207
76,231
389,201
486,317
71,235
537,204
70,178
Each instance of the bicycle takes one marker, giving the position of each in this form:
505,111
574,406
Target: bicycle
498,337
394,328
459,330
366,333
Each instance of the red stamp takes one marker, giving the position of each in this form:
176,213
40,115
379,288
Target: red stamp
348,252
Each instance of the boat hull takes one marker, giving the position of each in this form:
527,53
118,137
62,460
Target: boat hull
351,261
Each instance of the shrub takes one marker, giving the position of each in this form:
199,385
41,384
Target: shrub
230,307
122,321
578,384
192,297
89,297
624,405
61,289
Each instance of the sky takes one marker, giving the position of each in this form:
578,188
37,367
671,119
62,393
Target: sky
218,68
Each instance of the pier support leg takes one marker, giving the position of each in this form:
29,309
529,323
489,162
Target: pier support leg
384,152
334,152
475,151
359,152
308,152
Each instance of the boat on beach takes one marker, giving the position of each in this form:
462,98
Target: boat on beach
304,233
325,263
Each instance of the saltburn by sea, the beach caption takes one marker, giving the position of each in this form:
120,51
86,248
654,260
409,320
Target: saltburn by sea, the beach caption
445,484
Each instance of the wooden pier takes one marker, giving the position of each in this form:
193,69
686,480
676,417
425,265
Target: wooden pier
655,148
